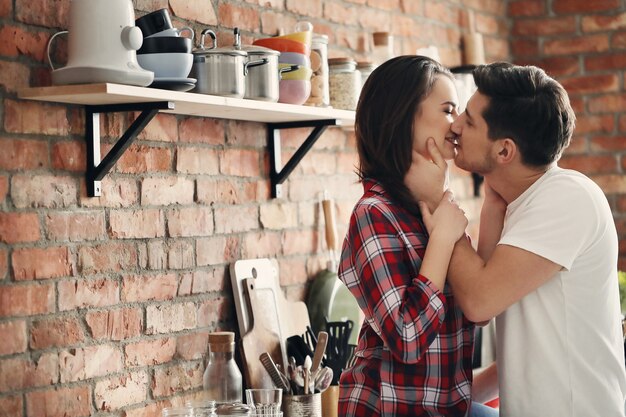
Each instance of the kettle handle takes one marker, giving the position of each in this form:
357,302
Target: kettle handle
50,43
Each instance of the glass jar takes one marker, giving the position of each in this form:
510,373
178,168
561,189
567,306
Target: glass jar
222,379
344,83
319,64
177,412
365,68
383,47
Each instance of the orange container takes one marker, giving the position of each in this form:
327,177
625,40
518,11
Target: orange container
284,45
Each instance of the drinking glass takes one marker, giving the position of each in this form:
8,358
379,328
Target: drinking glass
265,401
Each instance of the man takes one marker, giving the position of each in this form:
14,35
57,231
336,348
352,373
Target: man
546,266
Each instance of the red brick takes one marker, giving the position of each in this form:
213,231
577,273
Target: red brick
400,26
292,271
618,40
141,159
497,7
216,250
245,18
34,117
11,406
136,224
226,191
25,300
118,192
273,22
19,373
236,219
117,392
4,188
526,8
150,352
584,6
371,19
608,143
193,346
246,134
69,156
13,339
56,332
168,318
240,162
193,160
163,127
202,130
296,242
279,216
42,263
110,257
544,26
607,103
590,164
119,324
261,245
23,154
75,226
177,378
49,191
594,124
4,263
50,13
591,84
13,75
611,183
102,360
344,14
149,287
16,41
525,47
603,23
574,45
166,191
622,123
59,402
6,8
415,7
198,282
554,66
71,365
614,61
87,293
384,4
197,10
19,227
304,8
192,221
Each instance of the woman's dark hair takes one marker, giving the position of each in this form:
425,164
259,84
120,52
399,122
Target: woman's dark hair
384,121
529,107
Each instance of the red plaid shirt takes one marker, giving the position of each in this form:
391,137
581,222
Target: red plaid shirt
414,356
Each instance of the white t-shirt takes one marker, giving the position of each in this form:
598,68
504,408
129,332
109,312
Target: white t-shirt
560,349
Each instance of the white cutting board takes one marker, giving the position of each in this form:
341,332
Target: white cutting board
286,318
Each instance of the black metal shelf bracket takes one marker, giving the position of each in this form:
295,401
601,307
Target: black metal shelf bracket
96,168
279,173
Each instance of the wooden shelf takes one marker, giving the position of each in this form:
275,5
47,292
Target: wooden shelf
186,103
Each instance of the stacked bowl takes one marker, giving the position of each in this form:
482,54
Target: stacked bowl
295,49
165,51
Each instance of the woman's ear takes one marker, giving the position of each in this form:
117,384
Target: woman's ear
506,150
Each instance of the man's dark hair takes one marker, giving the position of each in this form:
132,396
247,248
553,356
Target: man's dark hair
529,107
385,114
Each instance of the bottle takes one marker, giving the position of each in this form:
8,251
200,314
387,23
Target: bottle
345,83
365,68
222,378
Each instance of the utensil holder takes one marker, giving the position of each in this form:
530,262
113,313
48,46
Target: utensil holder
309,405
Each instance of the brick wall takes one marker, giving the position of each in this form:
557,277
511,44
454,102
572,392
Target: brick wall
583,45
105,303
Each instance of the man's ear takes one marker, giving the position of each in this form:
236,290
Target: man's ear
506,150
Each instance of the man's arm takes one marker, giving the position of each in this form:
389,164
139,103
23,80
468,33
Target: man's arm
485,289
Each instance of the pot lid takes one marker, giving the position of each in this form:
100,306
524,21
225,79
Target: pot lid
225,50
259,50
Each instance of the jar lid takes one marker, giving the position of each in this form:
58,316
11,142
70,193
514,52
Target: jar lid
340,61
365,65
381,38
319,38
221,337
236,409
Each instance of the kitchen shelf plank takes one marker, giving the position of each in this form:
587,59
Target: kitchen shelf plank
186,103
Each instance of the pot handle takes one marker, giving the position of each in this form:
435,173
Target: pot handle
213,38
283,70
50,43
255,63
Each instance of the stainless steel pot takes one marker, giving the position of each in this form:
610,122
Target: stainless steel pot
220,71
262,81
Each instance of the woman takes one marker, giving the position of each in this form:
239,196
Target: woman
415,346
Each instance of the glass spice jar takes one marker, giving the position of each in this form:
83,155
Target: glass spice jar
383,47
365,68
319,96
222,378
344,82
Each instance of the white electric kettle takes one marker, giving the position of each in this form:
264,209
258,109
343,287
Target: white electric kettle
102,45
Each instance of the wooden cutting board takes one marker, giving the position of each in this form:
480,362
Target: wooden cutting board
258,340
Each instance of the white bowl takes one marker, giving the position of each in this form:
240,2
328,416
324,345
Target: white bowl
167,65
